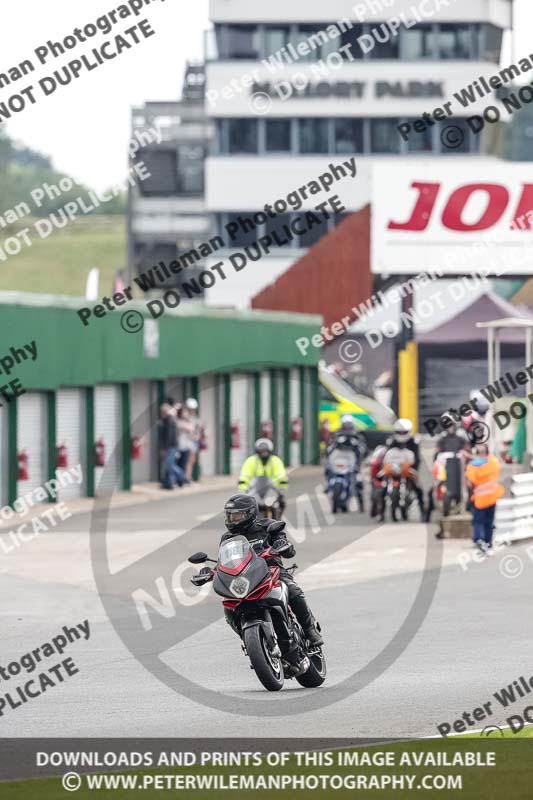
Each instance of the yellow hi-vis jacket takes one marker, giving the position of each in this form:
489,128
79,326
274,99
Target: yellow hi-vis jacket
274,469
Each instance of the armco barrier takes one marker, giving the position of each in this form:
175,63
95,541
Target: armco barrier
514,515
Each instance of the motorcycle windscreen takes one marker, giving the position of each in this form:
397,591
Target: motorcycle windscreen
234,554
341,461
260,486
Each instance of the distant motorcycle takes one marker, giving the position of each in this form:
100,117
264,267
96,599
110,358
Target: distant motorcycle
267,497
263,617
397,477
341,465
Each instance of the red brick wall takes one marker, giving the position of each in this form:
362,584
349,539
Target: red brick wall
331,278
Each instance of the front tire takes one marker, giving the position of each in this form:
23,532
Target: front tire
316,674
336,500
266,666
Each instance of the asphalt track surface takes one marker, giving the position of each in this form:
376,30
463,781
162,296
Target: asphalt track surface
468,636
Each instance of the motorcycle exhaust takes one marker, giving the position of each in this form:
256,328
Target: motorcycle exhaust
294,670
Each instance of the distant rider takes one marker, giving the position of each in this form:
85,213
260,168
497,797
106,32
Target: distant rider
240,513
453,440
403,439
265,463
347,438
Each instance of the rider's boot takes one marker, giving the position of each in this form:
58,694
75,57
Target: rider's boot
306,619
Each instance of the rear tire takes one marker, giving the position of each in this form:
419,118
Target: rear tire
446,505
316,674
267,668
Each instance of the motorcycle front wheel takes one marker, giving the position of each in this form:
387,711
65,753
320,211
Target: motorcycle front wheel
267,667
316,674
336,501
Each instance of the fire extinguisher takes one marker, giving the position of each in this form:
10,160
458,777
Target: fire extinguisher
324,430
22,458
99,453
136,448
267,429
203,442
62,456
296,429
235,437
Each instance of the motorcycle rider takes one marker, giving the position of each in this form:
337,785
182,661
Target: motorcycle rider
402,438
453,440
264,462
240,513
347,438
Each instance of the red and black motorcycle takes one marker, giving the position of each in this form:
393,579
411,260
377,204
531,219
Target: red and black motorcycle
261,614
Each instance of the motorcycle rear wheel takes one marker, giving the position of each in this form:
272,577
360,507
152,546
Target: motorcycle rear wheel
316,674
266,666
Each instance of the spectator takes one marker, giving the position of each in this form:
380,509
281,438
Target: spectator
192,408
482,478
185,440
169,445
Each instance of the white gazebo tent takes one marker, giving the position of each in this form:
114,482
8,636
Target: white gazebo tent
494,359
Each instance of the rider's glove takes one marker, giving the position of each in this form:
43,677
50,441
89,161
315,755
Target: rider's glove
204,576
288,548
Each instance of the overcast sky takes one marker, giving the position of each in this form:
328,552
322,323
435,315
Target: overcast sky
84,127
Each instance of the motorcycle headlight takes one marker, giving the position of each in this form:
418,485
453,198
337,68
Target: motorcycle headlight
239,586
270,498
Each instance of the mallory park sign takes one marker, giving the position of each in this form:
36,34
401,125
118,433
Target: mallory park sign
284,89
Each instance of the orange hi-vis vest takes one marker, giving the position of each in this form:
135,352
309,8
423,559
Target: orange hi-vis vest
487,490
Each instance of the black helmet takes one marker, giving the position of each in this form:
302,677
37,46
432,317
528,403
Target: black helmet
240,512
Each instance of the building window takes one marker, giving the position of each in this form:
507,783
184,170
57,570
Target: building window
454,42
278,135
384,136
419,142
246,232
238,42
350,38
417,43
162,167
314,136
316,39
454,138
383,49
490,42
275,225
242,136
348,136
276,37
314,231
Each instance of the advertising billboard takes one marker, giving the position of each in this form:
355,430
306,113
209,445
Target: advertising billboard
457,216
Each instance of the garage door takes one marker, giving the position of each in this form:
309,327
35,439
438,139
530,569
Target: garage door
242,415
70,431
107,426
208,418
294,412
141,425
32,436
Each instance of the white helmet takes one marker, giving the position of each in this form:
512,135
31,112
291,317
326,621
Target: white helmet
264,444
347,421
403,430
192,404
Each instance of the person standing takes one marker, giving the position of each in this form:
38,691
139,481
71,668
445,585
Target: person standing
192,407
185,440
169,444
482,478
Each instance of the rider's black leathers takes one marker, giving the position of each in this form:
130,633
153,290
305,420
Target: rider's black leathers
260,539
